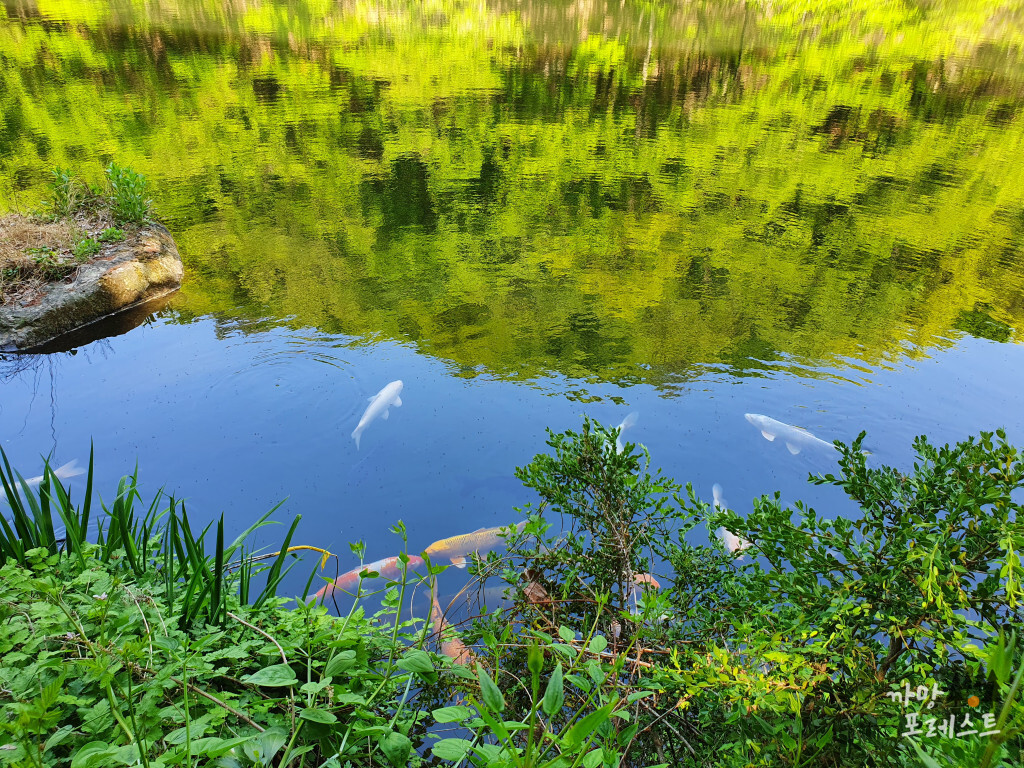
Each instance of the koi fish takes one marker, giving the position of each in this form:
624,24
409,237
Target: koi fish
389,568
71,469
453,647
379,405
627,422
458,547
795,438
64,472
732,542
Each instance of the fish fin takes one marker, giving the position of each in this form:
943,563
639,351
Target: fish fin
385,414
767,435
629,421
71,469
357,434
371,398
794,449
459,562
619,447
398,402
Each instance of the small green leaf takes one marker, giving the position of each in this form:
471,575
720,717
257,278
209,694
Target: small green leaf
396,747
554,694
566,634
452,714
94,753
598,643
588,725
316,715
535,659
593,758
276,676
416,661
341,661
451,749
580,682
489,691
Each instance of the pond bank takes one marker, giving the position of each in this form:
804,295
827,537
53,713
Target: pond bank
156,646
63,275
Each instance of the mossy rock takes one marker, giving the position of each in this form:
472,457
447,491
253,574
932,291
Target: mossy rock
144,267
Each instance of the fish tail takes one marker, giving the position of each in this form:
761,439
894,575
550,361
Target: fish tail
459,562
71,469
357,434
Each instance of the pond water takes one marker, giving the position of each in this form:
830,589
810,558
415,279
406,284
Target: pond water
526,212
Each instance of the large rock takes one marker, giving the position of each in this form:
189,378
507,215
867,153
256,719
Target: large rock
144,267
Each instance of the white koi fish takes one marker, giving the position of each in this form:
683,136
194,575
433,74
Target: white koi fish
63,472
627,422
716,494
379,405
795,438
732,542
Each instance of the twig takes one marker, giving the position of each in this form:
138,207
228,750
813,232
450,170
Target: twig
253,627
220,703
284,659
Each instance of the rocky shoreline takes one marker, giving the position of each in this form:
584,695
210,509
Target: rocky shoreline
143,267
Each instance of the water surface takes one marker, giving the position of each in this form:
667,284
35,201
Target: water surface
527,212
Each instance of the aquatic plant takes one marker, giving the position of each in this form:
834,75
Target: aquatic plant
158,541
127,642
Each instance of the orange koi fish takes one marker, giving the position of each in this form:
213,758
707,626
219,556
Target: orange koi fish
453,647
389,568
458,547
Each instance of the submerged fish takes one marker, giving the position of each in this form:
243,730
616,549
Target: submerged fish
389,568
795,438
452,647
459,547
732,542
64,472
627,422
379,405
716,495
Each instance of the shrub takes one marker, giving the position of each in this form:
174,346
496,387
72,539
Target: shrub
128,190
791,656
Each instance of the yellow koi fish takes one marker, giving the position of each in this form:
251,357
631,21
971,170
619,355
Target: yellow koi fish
457,548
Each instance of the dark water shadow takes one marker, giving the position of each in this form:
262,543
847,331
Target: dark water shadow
112,325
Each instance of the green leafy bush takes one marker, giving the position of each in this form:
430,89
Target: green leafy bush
144,645
790,656
128,190
49,264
